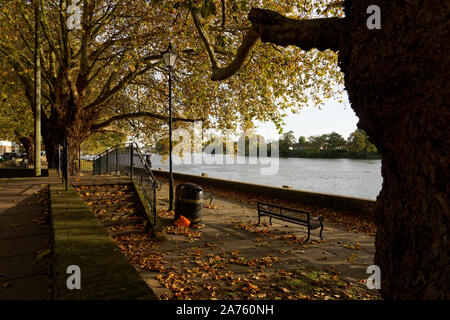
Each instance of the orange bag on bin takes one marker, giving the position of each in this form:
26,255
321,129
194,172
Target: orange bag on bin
182,222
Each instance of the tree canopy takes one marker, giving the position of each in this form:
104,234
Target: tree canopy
108,75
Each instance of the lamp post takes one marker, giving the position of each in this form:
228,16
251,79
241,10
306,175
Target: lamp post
37,93
170,58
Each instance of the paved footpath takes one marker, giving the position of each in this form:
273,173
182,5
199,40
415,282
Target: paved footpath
23,237
231,225
348,252
24,271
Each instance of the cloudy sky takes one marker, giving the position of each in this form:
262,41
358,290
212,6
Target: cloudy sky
333,116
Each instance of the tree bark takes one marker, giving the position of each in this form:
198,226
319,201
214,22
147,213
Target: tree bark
324,33
396,78
68,122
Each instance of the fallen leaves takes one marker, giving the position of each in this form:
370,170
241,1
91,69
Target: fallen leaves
42,254
190,234
197,267
263,230
355,246
213,206
139,250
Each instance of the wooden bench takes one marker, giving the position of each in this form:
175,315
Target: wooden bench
296,216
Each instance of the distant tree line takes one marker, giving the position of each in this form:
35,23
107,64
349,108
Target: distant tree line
331,145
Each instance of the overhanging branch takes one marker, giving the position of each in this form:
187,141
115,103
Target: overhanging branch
143,114
218,72
270,26
322,34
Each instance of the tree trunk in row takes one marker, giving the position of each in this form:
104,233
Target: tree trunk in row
71,127
397,81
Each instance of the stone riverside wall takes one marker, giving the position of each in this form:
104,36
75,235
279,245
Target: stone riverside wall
350,204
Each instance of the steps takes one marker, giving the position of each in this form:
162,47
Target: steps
117,207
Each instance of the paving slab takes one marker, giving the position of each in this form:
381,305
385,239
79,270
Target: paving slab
24,235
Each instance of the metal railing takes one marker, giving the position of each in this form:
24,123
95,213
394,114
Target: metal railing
128,159
86,166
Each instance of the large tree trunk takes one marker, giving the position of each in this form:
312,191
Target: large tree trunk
72,127
397,78
74,142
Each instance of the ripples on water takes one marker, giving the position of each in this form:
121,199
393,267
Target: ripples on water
348,177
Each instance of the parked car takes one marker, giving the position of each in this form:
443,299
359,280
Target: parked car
9,155
20,159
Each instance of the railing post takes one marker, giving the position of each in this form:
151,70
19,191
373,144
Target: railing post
59,160
79,158
107,161
154,203
67,165
131,161
65,172
117,160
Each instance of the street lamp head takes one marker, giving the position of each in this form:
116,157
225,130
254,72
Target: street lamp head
170,57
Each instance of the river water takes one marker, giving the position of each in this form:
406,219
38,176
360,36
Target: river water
348,177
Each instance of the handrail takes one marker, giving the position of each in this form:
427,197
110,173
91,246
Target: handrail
108,150
147,168
139,152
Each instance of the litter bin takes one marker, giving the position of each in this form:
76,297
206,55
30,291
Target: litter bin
189,202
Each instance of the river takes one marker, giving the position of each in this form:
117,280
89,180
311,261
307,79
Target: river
347,177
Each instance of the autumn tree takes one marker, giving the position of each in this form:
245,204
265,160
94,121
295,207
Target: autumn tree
397,79
287,141
302,142
106,73
358,142
334,141
101,141
316,142
16,117
84,69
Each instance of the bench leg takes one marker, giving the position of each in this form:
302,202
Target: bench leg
309,234
270,220
321,229
259,219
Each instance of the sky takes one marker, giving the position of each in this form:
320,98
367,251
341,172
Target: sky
309,121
